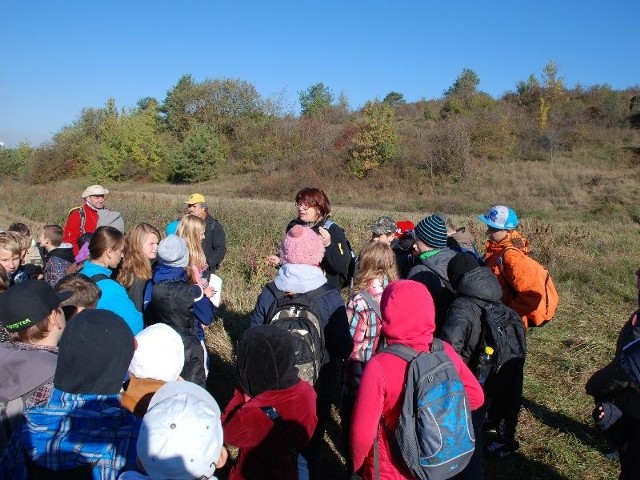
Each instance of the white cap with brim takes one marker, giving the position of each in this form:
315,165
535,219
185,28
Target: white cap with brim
181,433
94,190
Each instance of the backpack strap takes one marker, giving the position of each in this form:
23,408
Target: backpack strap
99,276
402,351
284,431
445,281
371,302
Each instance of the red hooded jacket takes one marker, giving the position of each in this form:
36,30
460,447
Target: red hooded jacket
409,319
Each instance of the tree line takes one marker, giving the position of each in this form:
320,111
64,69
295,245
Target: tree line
224,125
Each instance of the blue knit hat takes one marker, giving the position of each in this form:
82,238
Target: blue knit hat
432,231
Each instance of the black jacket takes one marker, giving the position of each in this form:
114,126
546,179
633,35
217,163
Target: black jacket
214,243
172,304
463,325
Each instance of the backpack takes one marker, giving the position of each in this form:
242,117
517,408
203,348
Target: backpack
502,330
298,314
351,270
629,360
435,432
549,301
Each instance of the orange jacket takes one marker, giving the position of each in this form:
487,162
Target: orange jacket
519,281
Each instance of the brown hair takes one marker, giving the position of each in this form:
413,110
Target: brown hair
134,263
377,261
190,228
54,234
84,291
103,239
34,333
314,197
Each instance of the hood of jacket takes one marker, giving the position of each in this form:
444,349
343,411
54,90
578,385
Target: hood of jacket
408,314
90,269
299,278
512,239
64,251
439,261
266,360
481,284
23,370
163,273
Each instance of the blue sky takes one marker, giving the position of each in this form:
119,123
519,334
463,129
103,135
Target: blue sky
59,57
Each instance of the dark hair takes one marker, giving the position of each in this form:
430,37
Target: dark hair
314,197
53,233
21,228
103,239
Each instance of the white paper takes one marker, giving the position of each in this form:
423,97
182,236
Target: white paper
216,283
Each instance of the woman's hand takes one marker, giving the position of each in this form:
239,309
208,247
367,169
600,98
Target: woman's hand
273,260
325,236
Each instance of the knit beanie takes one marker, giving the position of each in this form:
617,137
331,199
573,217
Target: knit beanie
173,252
266,360
301,245
459,265
432,231
95,350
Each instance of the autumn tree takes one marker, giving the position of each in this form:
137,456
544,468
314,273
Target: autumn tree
376,140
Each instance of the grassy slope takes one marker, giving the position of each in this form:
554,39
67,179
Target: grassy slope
582,221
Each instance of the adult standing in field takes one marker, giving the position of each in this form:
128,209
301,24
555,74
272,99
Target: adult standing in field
506,252
84,219
314,210
214,243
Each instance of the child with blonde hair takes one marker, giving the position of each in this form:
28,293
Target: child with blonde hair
377,268
11,246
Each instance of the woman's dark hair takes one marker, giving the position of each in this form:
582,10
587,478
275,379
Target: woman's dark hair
103,239
314,197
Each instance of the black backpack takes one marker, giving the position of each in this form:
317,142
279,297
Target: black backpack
298,314
502,330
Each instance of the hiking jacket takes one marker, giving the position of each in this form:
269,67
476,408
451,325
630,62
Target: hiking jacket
172,301
408,321
463,326
302,279
214,244
611,383
73,230
519,282
74,430
56,262
432,273
337,256
114,296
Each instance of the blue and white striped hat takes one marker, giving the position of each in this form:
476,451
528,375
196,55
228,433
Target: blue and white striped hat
432,231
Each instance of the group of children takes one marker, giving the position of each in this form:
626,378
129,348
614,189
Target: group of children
109,363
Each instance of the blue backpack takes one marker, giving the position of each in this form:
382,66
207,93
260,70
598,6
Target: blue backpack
435,433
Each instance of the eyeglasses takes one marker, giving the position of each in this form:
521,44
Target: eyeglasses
303,206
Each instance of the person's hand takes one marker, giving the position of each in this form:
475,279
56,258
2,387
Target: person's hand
209,292
273,260
325,236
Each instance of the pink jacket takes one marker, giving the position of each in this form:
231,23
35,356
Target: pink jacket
408,318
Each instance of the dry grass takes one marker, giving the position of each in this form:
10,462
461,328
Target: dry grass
582,221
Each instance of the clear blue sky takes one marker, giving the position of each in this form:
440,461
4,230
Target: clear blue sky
59,57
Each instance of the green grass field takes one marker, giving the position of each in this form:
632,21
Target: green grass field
582,222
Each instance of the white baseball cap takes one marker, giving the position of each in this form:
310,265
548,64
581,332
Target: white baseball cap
181,433
159,354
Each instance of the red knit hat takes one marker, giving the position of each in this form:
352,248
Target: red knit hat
302,245
403,227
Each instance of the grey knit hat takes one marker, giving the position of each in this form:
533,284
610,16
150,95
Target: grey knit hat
173,252
432,231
